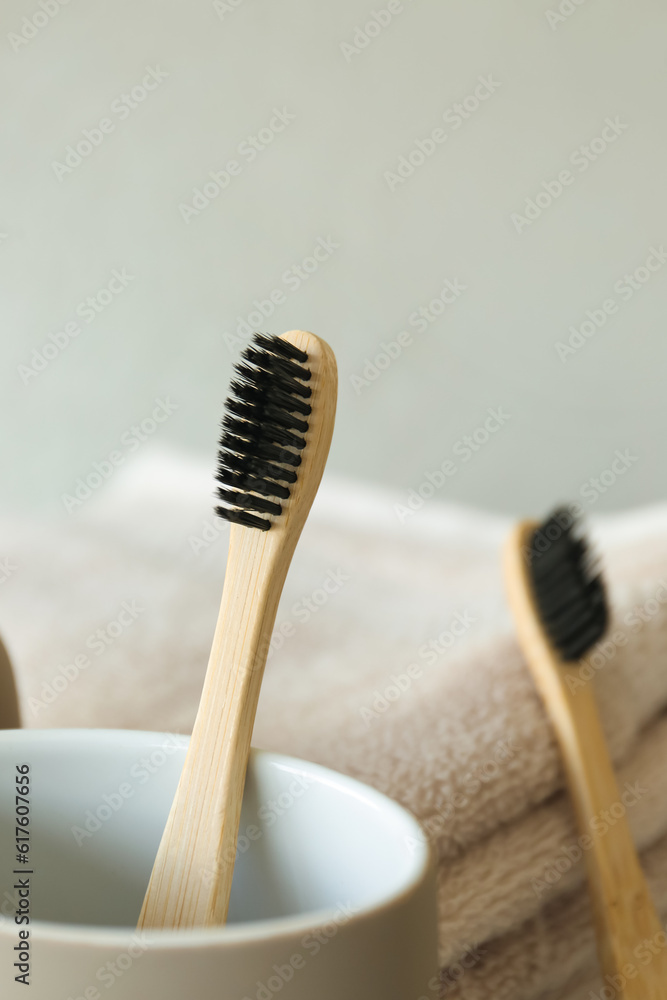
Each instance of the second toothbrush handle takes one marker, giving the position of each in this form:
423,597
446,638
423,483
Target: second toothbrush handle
624,911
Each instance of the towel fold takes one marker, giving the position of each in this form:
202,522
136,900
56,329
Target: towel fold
393,660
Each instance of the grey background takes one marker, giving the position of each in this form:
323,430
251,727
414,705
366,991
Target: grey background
171,331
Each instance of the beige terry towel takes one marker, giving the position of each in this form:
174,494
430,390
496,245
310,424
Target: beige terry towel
394,660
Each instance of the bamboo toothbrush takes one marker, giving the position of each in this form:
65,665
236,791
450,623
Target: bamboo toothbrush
560,609
276,435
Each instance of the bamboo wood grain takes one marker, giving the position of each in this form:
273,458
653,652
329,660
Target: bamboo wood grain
624,913
192,876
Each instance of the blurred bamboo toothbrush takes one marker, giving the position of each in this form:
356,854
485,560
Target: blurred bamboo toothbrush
276,434
560,610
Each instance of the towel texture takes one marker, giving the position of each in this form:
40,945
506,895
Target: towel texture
393,660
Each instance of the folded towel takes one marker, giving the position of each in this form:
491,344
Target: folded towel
393,660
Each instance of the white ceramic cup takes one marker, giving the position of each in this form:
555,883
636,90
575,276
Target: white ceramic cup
333,895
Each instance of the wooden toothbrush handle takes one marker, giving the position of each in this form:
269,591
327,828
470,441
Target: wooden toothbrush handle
631,940
192,875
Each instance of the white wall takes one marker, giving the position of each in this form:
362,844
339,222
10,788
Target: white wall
325,176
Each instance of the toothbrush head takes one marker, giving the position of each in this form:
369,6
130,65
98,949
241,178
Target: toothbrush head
568,588
263,432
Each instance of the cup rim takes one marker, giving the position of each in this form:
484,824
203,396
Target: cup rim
274,928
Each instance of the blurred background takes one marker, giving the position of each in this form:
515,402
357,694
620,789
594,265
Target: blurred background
464,199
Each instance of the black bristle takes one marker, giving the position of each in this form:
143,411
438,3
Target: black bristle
260,448
568,588
281,347
263,432
265,378
271,363
257,394
243,517
249,501
248,466
273,413
249,484
244,429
